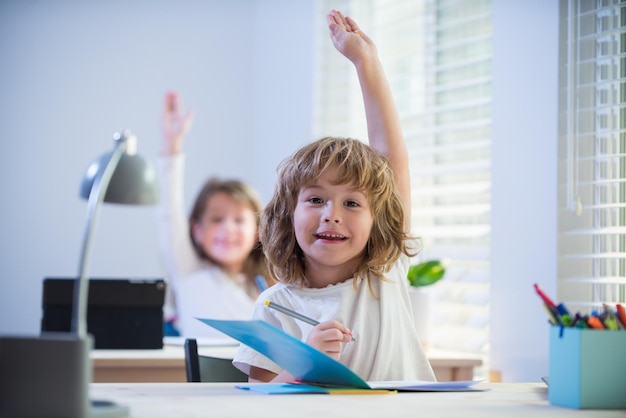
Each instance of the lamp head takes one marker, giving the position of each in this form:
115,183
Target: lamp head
134,180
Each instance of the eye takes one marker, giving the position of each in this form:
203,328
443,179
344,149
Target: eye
352,204
315,200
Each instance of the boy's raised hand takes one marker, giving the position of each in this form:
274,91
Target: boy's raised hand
384,130
348,38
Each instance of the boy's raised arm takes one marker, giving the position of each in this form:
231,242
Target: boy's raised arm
383,122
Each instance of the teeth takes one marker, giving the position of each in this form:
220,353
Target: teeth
330,236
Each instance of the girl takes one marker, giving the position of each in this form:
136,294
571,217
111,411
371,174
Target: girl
335,234
212,261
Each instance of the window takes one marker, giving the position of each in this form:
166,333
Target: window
592,151
437,57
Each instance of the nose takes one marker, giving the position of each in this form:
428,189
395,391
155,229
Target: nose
228,225
331,213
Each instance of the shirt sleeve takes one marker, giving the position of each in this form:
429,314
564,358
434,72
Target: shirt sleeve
177,253
174,242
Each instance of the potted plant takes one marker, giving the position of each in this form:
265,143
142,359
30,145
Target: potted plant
420,276
426,273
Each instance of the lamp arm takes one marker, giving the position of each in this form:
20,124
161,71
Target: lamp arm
96,196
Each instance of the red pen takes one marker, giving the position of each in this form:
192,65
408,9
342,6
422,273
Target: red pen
545,298
621,314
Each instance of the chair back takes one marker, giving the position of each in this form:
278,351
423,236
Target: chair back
209,369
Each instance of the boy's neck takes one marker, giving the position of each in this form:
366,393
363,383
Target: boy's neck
318,277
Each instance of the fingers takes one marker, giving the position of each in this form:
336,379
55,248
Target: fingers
330,336
333,18
344,22
188,120
352,25
172,111
171,102
172,106
175,125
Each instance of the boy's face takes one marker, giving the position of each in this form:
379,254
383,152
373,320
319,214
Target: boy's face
227,231
332,225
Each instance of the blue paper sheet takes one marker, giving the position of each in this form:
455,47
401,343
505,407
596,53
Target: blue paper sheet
310,365
304,362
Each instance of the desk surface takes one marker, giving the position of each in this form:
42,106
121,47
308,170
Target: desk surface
168,364
153,400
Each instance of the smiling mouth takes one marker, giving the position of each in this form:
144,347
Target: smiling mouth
331,237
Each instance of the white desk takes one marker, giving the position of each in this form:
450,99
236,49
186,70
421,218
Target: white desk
153,400
168,365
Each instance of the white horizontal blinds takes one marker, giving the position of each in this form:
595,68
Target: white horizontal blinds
592,221
437,58
450,149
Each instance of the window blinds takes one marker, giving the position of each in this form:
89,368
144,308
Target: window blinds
437,57
592,151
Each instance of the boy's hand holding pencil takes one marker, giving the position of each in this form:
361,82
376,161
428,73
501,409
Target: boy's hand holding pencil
299,316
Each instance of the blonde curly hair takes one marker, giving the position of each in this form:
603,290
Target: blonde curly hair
356,164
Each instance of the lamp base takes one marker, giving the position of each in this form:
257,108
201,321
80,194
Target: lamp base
49,376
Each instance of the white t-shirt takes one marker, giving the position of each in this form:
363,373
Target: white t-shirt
196,288
208,293
387,346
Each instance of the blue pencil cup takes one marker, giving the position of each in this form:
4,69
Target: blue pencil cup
587,368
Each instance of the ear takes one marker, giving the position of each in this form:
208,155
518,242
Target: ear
196,230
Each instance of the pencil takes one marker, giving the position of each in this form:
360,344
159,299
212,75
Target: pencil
293,314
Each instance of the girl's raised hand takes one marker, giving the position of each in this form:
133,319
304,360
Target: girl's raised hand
175,124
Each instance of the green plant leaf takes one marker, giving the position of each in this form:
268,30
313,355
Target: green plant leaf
426,273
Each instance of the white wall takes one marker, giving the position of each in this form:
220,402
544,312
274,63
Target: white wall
72,73
524,184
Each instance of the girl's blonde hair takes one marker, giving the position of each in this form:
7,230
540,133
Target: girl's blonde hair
356,164
255,264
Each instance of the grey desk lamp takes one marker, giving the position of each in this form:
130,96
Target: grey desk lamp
49,375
